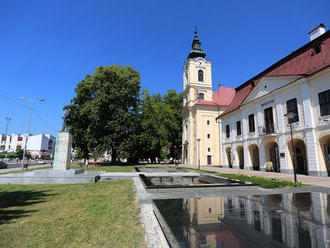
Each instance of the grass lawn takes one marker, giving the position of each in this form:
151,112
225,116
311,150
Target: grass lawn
263,182
103,214
25,170
110,168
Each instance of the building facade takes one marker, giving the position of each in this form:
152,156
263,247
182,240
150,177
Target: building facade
201,132
293,94
40,145
257,124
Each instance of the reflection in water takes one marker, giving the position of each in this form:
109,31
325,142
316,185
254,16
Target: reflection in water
288,220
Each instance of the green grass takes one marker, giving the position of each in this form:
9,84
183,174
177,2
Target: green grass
103,214
263,182
112,168
25,170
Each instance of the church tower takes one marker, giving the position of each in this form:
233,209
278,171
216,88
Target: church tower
200,137
197,75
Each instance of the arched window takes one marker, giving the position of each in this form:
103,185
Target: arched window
200,76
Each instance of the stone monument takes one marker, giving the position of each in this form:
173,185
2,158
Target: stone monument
61,172
62,158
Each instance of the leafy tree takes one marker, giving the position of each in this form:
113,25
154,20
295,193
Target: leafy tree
102,115
160,126
174,101
19,154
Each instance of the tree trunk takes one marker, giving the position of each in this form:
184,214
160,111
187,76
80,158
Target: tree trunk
113,156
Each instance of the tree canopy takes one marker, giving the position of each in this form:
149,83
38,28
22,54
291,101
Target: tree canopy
102,114
109,115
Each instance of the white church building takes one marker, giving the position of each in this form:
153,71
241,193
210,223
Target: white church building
295,90
254,126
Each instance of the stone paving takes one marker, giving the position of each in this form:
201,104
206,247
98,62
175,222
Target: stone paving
316,181
154,234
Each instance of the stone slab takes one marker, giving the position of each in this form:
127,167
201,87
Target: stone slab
50,176
52,172
154,234
121,175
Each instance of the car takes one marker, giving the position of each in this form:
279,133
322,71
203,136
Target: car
3,165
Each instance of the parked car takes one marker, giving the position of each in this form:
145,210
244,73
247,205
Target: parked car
3,165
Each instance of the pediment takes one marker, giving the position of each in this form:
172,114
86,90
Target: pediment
267,85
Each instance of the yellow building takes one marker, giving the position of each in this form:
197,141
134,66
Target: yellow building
255,130
201,132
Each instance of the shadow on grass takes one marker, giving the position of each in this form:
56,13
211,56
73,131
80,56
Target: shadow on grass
19,198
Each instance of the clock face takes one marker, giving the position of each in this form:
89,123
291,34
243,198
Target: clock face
201,63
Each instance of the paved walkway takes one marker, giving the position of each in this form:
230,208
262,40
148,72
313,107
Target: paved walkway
317,181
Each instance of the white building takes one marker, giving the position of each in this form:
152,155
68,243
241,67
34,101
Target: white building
255,128
38,145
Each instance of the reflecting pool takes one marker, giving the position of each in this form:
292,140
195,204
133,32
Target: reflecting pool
283,220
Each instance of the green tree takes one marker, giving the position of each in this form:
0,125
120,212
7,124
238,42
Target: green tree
19,154
174,101
160,126
102,115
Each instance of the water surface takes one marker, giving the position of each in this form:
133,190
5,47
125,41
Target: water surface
283,220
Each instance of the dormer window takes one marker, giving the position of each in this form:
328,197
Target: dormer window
201,96
317,49
200,76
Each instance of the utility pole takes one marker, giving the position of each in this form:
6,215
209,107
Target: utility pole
7,119
290,116
29,123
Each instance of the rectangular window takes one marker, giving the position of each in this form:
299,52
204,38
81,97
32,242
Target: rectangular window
208,135
208,149
238,128
291,106
201,96
251,123
324,100
208,122
19,139
227,131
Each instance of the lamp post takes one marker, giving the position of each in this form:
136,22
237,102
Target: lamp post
31,101
290,116
198,148
7,119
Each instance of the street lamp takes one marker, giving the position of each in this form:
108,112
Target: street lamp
7,119
198,153
31,101
290,116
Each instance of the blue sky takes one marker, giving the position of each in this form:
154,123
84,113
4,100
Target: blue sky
47,47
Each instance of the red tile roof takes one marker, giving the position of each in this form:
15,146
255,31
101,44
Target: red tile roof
222,97
304,61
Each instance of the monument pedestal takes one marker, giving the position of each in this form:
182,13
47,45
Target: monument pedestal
61,172
62,158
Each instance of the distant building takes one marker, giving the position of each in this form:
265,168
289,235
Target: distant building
40,145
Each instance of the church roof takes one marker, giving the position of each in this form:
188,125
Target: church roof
302,62
196,50
222,97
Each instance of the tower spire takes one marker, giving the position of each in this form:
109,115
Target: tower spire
196,50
